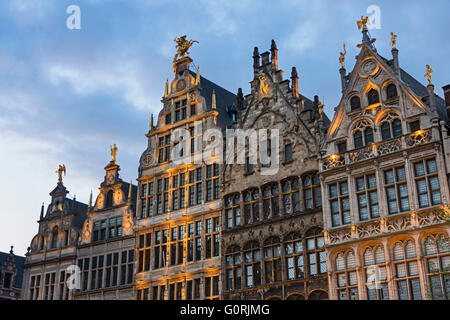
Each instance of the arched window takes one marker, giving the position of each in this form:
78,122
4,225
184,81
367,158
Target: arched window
347,281
291,196
109,199
233,268
270,201
407,270
54,242
272,259
293,249
251,206
317,259
391,91
311,191
376,275
391,126
41,243
233,210
318,295
363,134
355,103
437,255
373,97
295,296
252,264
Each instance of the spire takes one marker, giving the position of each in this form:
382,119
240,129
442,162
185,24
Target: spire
294,80
130,190
11,251
42,212
90,201
240,99
274,52
213,103
197,76
166,89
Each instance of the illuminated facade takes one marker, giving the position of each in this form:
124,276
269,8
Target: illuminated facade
54,248
384,177
272,241
11,275
106,249
179,204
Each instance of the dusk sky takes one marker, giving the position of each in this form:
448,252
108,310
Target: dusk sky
67,95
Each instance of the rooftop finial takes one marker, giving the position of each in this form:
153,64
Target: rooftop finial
429,74
90,201
130,190
151,122
197,76
61,169
256,58
114,153
182,46
393,40
166,89
274,53
11,251
213,104
42,212
362,25
294,80
342,57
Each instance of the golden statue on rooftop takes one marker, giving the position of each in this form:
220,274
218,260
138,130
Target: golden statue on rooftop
429,74
393,40
182,46
342,57
362,24
61,169
114,153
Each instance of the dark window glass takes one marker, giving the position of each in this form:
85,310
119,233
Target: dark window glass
355,103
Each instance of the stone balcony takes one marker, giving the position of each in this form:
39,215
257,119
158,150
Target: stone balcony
378,149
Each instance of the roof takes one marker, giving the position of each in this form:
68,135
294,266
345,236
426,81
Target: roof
19,261
224,100
126,188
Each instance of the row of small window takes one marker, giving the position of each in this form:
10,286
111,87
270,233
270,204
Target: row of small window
406,272
54,239
192,242
180,112
290,196
373,97
107,229
364,136
180,186
294,258
288,156
396,188
98,274
165,147
49,287
192,290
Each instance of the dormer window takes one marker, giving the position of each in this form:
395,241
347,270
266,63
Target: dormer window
373,97
355,103
168,118
54,241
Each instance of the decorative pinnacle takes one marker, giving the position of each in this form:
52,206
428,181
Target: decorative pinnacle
60,171
151,122
213,104
166,89
90,201
130,190
197,76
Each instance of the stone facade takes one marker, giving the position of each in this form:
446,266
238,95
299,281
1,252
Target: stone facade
106,251
384,183
272,242
11,275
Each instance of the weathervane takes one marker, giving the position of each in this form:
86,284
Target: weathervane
393,40
182,46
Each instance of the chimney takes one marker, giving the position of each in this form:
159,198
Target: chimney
447,98
274,53
256,59
396,63
265,57
342,71
294,82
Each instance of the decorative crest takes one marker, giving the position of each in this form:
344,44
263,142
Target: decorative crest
429,74
61,169
114,153
182,46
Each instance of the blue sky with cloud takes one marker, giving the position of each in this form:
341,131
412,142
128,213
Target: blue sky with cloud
66,95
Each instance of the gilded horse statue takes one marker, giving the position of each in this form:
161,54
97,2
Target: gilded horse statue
182,46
